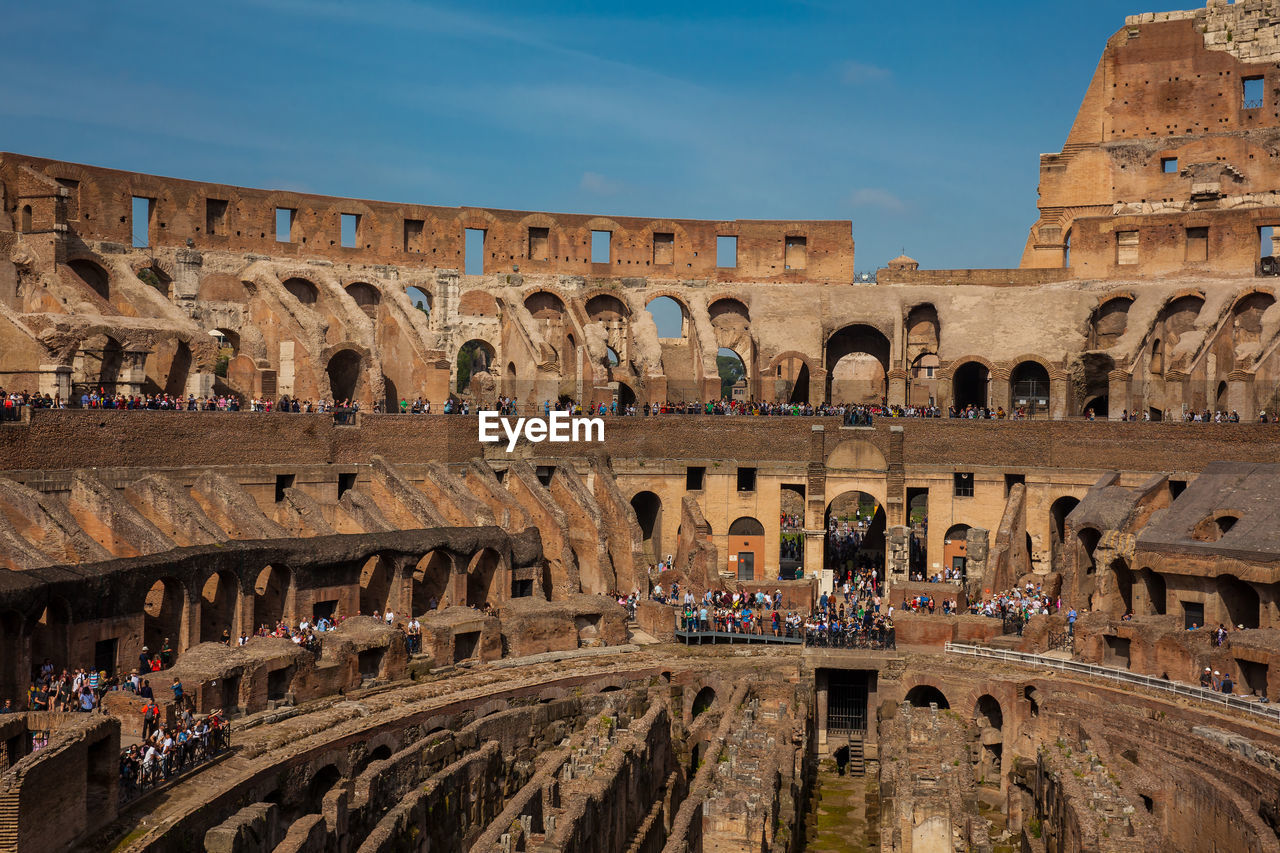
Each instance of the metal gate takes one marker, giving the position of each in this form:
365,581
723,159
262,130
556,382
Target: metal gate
846,702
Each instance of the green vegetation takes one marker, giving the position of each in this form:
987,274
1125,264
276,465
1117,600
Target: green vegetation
731,370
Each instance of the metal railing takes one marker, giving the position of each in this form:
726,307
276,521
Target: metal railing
137,779
1266,711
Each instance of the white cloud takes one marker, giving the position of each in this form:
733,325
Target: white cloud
856,73
878,199
593,182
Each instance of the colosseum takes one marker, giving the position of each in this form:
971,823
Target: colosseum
930,560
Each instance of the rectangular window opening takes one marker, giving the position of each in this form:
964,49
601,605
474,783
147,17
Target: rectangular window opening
963,483
1126,248
796,256
746,479
1169,165
601,247
539,240
694,478
1192,614
1197,244
283,481
1011,480
285,217
664,248
473,251
1254,94
350,230
346,482
1270,265
215,216
413,229
142,210
726,252
73,197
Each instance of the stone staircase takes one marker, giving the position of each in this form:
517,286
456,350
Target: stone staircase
857,758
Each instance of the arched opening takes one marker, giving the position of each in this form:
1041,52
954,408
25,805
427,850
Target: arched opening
924,695
1029,384
611,358
1220,402
51,634
626,396
381,753
1153,584
390,395
733,375
1097,407
544,305
92,275
1156,363
1212,528
1109,322
746,548
970,385
366,296
648,509
475,356
157,278
375,586
1123,577
218,599
987,712
26,218
703,701
857,361
419,299
924,382
431,582
480,578
344,374
1240,603
1058,513
855,538
790,381
302,290
955,551
923,337
162,615
791,539
321,784
1246,327
1089,538
269,591
175,379
669,316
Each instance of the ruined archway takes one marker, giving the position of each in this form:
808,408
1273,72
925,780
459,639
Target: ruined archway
366,296
92,275
219,599
431,582
480,578
475,356
269,592
1239,600
375,585
302,290
857,363
648,509
923,695
162,614
855,535
1029,389
971,383
344,371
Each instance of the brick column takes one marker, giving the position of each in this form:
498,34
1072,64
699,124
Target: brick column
1240,395
998,389
1117,394
897,387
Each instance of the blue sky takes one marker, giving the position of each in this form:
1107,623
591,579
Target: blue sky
921,123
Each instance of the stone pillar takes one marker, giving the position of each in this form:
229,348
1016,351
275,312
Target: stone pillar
1240,395
943,389
817,386
1117,394
133,371
820,703
200,384
457,592
998,389
1059,394
242,622
189,627
897,387
897,554
975,565
55,380
187,267
816,511
1173,394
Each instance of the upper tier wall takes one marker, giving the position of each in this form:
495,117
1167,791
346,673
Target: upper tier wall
97,205
65,439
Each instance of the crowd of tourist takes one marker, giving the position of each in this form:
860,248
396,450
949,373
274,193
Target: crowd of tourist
167,751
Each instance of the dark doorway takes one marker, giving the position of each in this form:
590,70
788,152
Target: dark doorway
847,701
